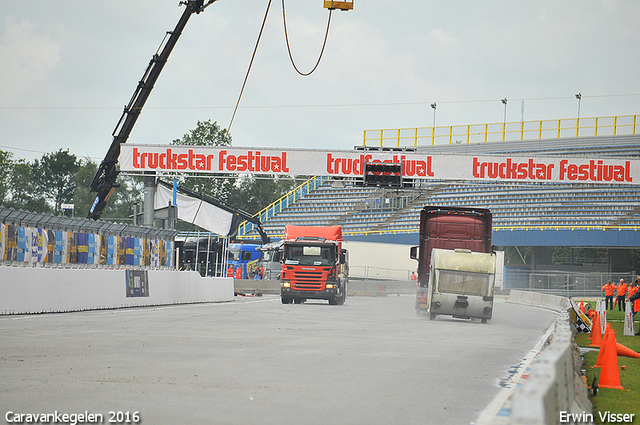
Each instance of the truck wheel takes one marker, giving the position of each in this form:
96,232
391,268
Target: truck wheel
484,320
333,301
286,300
432,316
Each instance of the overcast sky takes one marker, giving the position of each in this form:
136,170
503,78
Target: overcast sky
69,67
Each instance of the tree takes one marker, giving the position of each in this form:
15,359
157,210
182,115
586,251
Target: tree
6,164
24,193
53,175
252,194
83,197
208,133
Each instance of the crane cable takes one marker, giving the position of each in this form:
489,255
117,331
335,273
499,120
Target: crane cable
250,64
286,36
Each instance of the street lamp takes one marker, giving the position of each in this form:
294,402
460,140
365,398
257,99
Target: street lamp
433,106
579,97
504,102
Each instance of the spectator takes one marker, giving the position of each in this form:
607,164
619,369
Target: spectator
608,294
622,292
635,299
633,288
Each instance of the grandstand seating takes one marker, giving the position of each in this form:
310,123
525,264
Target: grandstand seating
361,210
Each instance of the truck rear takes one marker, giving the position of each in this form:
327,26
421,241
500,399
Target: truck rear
461,284
314,265
448,228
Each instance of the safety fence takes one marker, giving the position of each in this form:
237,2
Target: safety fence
504,131
35,239
562,283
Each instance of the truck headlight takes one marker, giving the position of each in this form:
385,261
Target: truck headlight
286,284
329,286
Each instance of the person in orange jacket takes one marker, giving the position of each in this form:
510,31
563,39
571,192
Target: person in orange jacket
633,288
239,272
230,272
635,300
622,292
608,289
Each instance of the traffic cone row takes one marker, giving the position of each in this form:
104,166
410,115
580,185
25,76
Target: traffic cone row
610,349
596,336
609,372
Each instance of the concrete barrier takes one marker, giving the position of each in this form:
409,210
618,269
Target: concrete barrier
355,287
46,290
554,386
538,299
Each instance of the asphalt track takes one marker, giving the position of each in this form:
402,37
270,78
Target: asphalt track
256,361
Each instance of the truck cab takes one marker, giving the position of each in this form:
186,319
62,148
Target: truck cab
314,265
243,255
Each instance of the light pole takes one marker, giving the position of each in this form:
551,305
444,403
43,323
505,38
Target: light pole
579,97
433,106
504,102
433,129
504,122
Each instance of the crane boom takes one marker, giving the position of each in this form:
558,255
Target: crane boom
104,181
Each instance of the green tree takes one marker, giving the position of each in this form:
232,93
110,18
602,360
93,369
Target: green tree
252,194
83,197
208,133
53,176
24,193
6,165
121,202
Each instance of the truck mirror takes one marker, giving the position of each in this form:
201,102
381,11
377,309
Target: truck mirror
414,253
343,256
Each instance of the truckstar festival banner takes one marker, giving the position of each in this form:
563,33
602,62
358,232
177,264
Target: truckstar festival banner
200,159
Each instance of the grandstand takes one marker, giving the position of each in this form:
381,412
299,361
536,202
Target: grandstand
363,211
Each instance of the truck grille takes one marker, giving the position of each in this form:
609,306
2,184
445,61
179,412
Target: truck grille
308,280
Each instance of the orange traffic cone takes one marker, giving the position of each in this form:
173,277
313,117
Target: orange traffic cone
603,347
626,351
582,306
610,374
596,336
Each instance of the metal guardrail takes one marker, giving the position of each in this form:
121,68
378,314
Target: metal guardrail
504,131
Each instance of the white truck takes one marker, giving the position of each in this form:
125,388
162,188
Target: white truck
461,284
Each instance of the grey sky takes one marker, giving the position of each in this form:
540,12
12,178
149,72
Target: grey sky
69,67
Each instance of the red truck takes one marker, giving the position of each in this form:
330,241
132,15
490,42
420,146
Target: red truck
448,228
314,265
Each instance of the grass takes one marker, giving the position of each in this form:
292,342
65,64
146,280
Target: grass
614,400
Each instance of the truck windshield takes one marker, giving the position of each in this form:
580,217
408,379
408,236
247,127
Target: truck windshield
309,255
465,283
234,254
